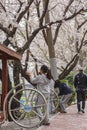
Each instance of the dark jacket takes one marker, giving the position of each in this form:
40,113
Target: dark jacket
63,89
80,81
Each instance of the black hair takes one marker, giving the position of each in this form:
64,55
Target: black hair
46,71
57,84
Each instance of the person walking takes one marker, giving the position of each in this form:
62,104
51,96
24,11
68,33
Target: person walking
80,83
65,94
43,80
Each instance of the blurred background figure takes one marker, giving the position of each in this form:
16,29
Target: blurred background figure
80,83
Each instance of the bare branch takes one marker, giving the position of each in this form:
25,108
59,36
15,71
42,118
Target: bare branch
67,7
56,33
44,35
24,11
85,42
20,2
38,10
65,19
20,7
27,32
38,14
4,29
18,20
44,12
29,40
79,26
54,6
82,41
69,67
73,62
59,25
75,14
2,7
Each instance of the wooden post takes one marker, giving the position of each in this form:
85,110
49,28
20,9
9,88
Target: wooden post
4,80
6,54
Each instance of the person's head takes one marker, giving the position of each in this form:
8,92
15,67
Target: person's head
45,70
57,84
80,69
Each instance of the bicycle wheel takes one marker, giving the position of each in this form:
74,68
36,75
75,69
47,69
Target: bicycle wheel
26,114
6,101
54,101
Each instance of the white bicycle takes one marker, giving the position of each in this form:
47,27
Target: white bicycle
25,112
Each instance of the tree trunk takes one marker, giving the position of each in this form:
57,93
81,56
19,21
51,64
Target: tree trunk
51,49
16,72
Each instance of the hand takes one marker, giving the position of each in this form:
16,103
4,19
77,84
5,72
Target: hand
27,73
59,97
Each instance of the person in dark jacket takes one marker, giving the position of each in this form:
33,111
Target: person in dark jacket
65,92
80,83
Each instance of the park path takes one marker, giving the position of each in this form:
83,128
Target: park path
59,121
67,121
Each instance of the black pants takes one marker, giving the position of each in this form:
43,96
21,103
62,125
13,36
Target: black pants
81,96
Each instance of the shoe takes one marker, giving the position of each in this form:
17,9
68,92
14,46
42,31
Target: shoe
83,111
63,111
79,112
46,123
53,112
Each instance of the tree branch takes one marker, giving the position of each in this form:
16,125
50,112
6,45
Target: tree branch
56,33
38,14
67,7
5,30
44,12
24,11
2,7
69,67
79,26
82,41
21,16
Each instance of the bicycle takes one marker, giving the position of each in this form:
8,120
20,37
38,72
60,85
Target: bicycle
26,115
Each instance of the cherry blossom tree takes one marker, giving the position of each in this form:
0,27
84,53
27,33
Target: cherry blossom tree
64,34
22,22
59,25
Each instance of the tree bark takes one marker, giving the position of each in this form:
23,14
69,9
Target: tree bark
51,49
